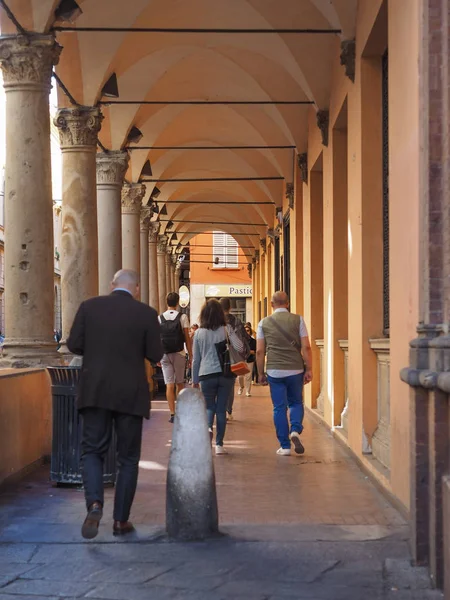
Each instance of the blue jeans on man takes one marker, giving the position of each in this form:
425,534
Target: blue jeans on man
287,393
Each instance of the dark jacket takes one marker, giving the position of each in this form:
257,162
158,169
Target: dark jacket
115,334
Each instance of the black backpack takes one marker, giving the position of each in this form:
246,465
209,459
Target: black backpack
172,335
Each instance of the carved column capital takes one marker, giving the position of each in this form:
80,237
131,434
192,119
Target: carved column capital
111,167
28,61
303,165
145,217
290,194
323,121
132,194
174,259
78,127
348,58
153,230
250,269
263,244
162,244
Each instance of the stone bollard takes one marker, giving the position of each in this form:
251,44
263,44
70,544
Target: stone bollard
191,501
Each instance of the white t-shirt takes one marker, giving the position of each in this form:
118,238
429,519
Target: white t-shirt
303,332
171,315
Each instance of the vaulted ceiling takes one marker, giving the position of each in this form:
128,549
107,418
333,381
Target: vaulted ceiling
200,66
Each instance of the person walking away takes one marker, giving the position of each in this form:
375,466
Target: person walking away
192,331
174,337
207,370
284,338
246,380
113,391
238,327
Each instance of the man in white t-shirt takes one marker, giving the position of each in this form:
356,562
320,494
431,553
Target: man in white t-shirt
175,341
284,337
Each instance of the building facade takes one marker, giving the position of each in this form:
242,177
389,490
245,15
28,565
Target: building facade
219,269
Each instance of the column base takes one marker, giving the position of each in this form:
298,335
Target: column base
26,355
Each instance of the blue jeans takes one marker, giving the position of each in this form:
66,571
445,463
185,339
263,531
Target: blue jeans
216,391
287,392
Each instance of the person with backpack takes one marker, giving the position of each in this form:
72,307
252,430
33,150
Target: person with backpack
174,339
237,327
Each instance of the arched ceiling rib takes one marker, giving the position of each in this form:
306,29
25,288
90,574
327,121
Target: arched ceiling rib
196,66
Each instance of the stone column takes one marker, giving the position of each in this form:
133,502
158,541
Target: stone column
162,283
153,265
78,133
111,169
169,281
175,274
145,222
29,308
132,195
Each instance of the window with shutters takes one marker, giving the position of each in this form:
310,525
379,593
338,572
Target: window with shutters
225,251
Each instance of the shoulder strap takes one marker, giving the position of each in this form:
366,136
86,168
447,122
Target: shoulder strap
162,318
294,343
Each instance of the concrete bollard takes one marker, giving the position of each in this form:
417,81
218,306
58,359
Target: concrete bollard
191,500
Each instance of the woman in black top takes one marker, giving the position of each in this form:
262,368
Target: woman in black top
246,380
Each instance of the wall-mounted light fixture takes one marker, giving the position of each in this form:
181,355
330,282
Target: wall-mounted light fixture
67,10
135,135
110,89
156,192
146,169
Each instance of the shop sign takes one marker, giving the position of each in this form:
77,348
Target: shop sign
228,291
184,296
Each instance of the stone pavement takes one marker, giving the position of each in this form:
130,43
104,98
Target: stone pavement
310,527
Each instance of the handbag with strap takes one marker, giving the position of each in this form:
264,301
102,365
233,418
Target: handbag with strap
223,355
237,365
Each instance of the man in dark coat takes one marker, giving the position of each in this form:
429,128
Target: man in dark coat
114,334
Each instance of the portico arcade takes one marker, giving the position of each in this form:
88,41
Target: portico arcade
320,149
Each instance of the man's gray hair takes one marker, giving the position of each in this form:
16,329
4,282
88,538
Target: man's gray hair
125,278
280,299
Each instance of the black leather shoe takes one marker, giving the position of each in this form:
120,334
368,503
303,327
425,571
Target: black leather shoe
91,523
122,527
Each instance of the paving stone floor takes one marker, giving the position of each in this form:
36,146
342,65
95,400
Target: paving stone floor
310,527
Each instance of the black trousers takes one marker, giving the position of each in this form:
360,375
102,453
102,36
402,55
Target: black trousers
97,430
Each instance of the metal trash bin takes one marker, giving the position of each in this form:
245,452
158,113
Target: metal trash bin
67,429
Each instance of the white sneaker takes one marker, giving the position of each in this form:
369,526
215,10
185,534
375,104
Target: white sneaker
229,417
283,451
248,394
240,391
220,450
298,446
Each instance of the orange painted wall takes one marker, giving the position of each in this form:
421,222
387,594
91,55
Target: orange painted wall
25,419
204,273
